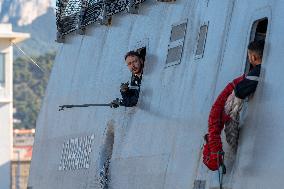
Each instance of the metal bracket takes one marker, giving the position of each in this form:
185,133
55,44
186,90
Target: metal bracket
132,7
60,38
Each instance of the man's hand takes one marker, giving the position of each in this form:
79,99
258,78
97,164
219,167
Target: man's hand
124,87
115,103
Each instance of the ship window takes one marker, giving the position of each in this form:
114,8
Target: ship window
258,32
201,41
175,47
142,52
261,29
2,69
141,47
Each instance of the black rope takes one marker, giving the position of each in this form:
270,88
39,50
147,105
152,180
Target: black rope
223,167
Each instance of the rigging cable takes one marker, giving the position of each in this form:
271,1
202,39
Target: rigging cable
27,56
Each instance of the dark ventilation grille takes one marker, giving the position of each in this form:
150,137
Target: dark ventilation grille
175,48
201,41
174,54
199,184
74,15
178,32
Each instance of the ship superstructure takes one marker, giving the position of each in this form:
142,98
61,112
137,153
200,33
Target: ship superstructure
193,48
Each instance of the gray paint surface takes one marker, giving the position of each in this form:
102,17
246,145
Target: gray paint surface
158,143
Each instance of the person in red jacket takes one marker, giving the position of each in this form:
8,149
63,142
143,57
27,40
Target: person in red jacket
242,86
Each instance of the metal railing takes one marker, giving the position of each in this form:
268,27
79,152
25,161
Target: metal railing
75,15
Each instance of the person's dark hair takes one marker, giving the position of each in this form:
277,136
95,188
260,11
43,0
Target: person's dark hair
132,53
257,47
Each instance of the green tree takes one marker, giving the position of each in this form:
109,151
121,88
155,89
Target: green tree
29,88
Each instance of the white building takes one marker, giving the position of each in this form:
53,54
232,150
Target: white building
7,36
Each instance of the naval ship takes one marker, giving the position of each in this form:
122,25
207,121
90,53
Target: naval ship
192,49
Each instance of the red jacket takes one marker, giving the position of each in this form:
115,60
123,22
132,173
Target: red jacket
212,157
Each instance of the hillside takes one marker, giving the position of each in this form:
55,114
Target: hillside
43,35
22,12
36,17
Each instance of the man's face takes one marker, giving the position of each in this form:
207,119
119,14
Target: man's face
134,64
254,58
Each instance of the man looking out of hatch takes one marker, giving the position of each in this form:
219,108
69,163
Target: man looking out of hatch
248,85
226,109
130,91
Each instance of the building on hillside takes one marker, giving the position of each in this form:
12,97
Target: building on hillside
7,39
22,153
23,137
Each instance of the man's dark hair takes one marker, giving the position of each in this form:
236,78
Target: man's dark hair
257,47
132,53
